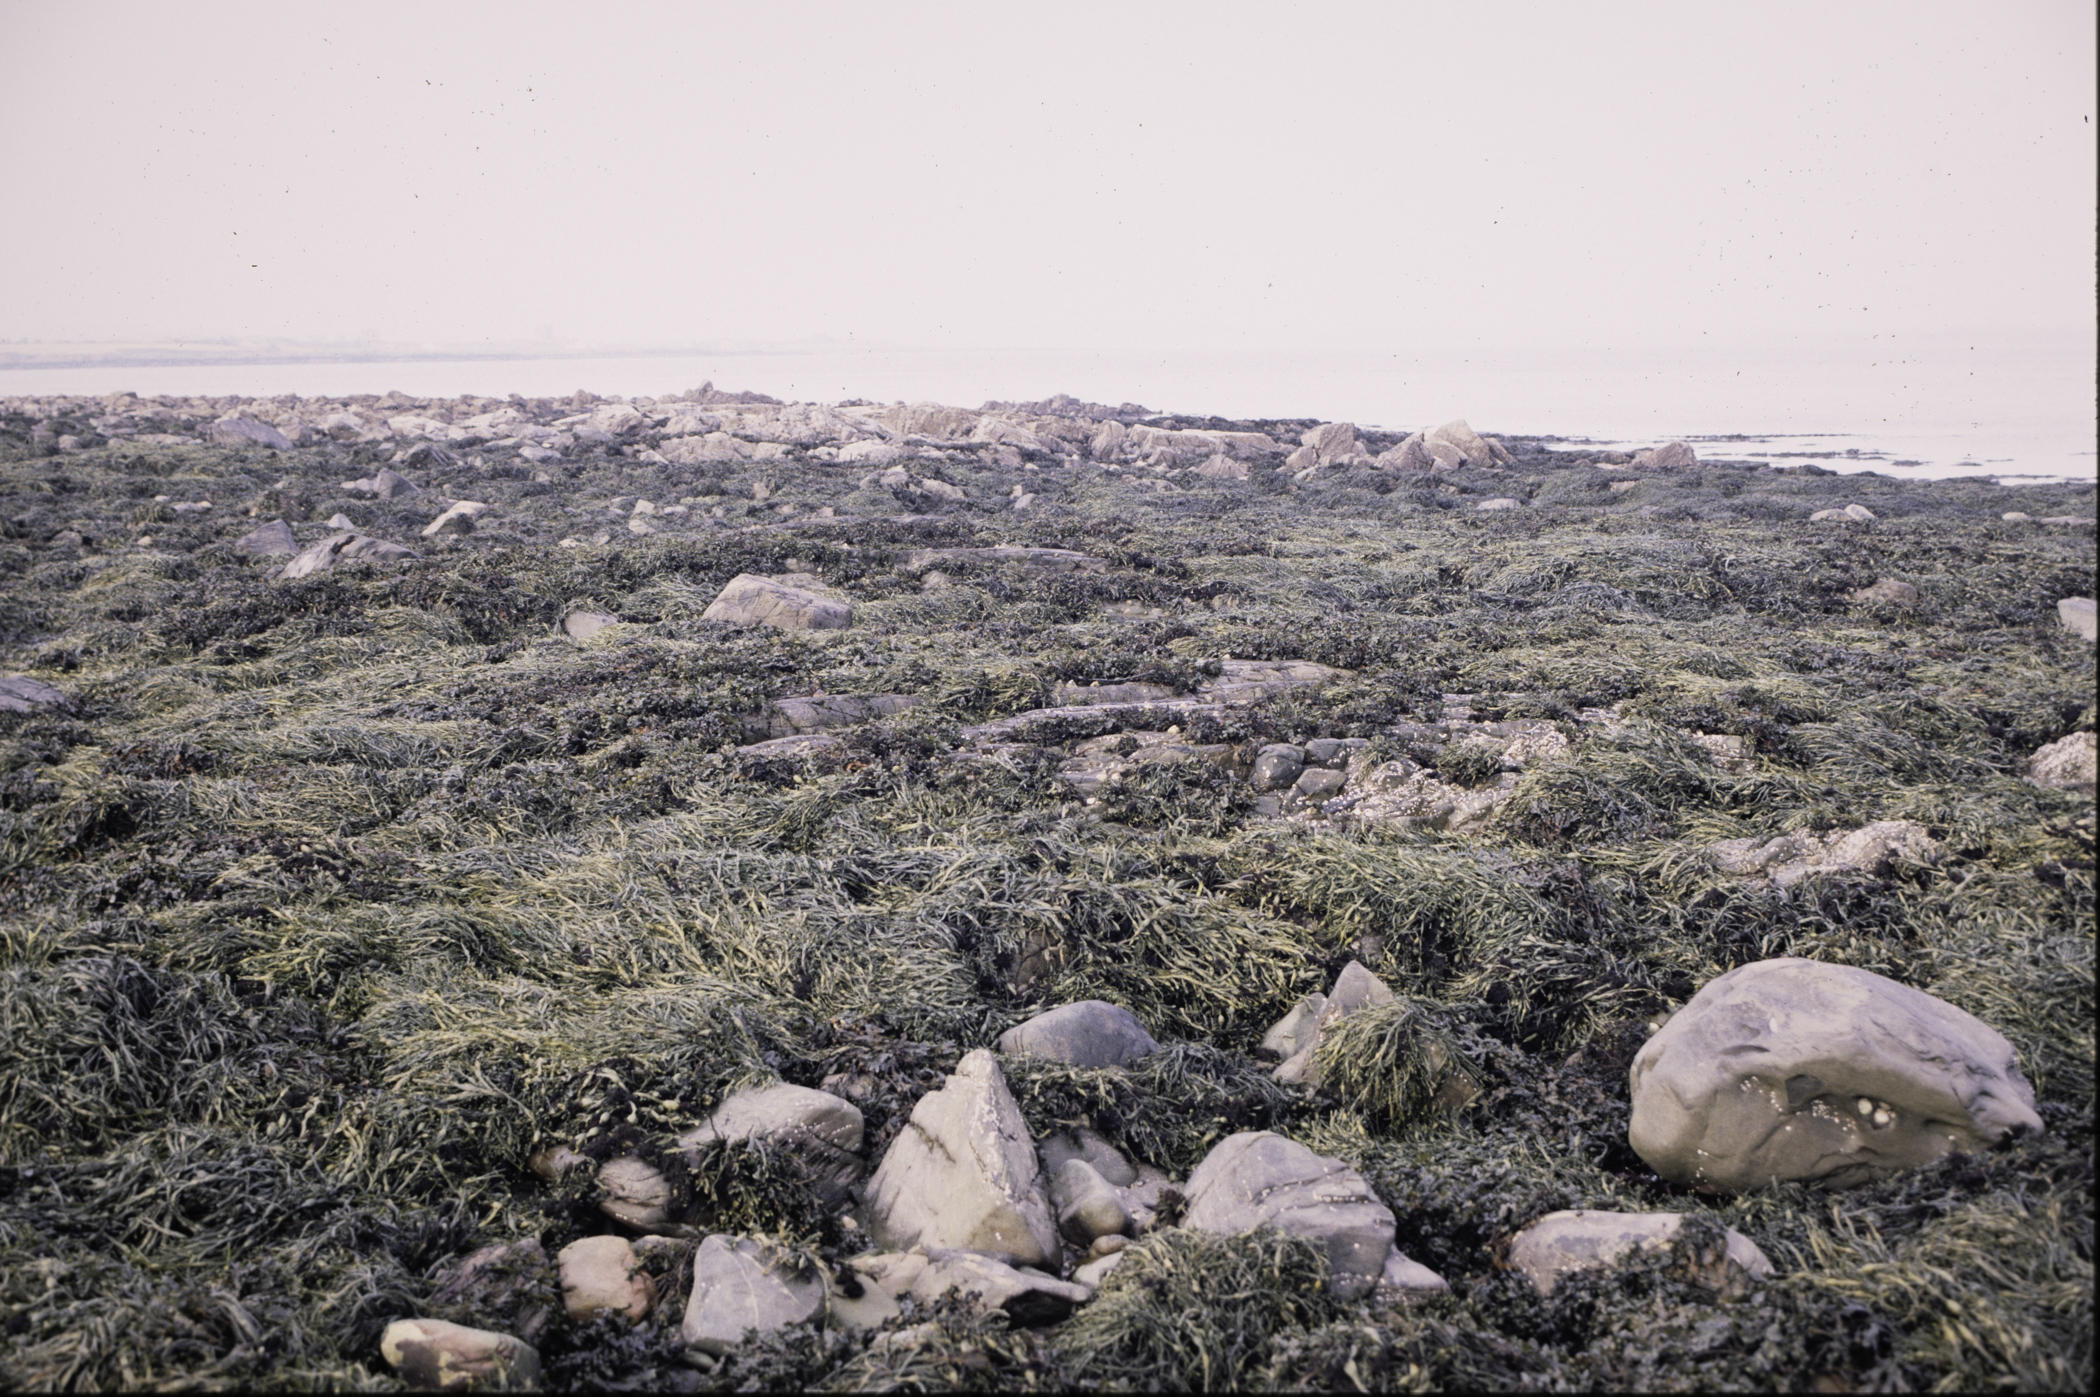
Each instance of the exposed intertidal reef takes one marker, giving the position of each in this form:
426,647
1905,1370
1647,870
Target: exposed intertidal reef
711,894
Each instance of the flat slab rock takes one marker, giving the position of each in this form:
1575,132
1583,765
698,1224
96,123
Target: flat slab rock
21,694
743,1285
1786,859
1560,1244
794,601
1793,1069
964,1174
1260,1179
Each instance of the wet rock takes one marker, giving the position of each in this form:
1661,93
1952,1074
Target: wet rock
1402,1277
822,1129
1876,849
582,625
1090,1033
1088,1205
386,486
344,547
637,1193
743,1285
2077,613
272,540
1317,784
2066,764
1354,988
964,1173
794,602
21,694
1276,766
602,1275
1259,1179
1796,1070
246,431
432,1355
517,1278
1889,590
1559,1244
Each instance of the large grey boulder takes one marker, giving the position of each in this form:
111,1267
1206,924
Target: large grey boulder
2066,764
272,540
343,547
434,1355
1559,1244
824,1130
1089,1033
21,694
240,431
1259,1179
1674,455
792,602
1793,1069
964,1174
1457,438
2078,614
743,1285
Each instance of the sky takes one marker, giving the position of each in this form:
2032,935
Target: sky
1342,178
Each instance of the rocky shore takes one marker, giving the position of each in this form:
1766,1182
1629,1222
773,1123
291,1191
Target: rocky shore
711,893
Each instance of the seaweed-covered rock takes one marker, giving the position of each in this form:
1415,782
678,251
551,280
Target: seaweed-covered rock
964,1173
515,1279
1792,1069
272,540
1889,590
1090,1033
822,1129
1259,1179
635,1192
2067,764
21,694
1027,1295
433,1355
743,1285
1300,1030
601,1275
792,602
1276,766
2078,614
340,547
1786,859
1591,1239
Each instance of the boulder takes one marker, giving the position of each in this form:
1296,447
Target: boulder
272,540
1403,1277
1221,467
1276,766
432,1355
239,431
458,519
1412,454
939,489
2066,764
1876,849
1028,1296
1259,1179
21,694
822,1129
636,1192
386,485
701,450
1888,589
1675,455
341,547
1500,502
582,625
743,1285
1330,441
1592,1239
2077,613
1301,1029
1088,1205
963,1173
793,602
602,1275
1090,1033
1793,1069
1456,437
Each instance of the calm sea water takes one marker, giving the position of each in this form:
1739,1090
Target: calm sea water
2019,410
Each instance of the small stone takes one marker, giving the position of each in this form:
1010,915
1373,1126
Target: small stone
602,1275
1087,1204
582,625
433,1355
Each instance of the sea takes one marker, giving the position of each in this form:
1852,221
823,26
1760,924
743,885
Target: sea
2017,410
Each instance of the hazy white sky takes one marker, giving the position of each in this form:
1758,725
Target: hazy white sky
1175,176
